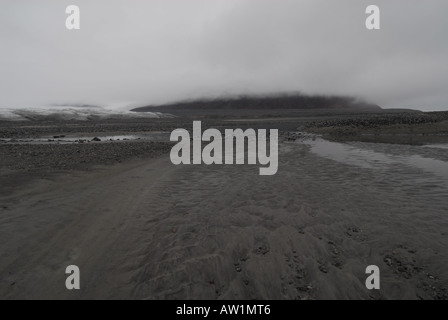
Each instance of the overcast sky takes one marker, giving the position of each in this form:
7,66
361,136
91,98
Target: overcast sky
135,52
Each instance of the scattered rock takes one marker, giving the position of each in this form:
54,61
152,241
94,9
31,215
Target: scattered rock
262,250
323,269
305,288
337,263
238,267
402,265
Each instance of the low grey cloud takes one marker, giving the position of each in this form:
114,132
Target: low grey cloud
133,53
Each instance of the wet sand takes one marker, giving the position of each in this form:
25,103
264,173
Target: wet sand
146,229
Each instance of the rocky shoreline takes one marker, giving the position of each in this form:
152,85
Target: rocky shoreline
402,128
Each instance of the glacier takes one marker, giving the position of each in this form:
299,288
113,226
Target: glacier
75,113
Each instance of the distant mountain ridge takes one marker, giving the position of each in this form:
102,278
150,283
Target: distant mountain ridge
280,102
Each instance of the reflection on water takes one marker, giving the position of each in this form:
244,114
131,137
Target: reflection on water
367,158
347,154
439,146
438,167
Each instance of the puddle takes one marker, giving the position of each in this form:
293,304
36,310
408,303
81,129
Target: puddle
348,154
437,167
371,159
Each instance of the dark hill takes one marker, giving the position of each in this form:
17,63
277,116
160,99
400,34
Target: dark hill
265,104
